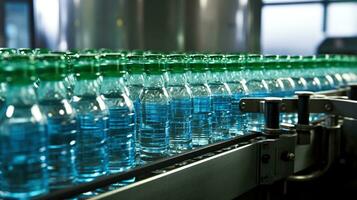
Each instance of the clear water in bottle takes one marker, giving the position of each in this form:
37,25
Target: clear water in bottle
23,137
121,123
92,120
221,98
257,87
154,120
202,102
180,104
61,120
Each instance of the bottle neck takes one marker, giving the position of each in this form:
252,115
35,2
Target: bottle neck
155,80
177,79
198,77
112,85
86,87
51,90
218,76
21,94
135,79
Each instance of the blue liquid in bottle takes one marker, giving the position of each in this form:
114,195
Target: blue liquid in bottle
62,130
201,121
154,131
23,156
180,125
239,120
257,88
121,144
62,137
91,152
221,122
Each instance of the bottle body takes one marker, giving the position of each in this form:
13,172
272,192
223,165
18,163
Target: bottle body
154,120
62,131
135,85
221,107
257,87
23,144
92,125
121,126
180,113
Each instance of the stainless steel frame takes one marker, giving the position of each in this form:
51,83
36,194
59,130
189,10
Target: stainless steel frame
223,176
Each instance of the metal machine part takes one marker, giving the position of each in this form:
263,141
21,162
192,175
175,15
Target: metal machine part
163,25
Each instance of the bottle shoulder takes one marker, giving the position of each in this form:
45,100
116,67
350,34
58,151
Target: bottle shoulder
159,95
89,104
22,114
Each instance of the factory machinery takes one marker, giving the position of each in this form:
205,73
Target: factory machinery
261,165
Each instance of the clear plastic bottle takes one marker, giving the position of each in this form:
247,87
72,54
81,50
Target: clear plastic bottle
310,74
155,102
272,75
202,101
237,84
23,137
61,120
121,129
322,69
25,51
297,73
92,119
221,97
135,83
284,76
180,105
257,87
7,51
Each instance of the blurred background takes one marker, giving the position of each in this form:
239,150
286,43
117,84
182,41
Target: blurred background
259,26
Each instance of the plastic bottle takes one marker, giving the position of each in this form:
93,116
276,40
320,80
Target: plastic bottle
202,101
121,129
310,74
23,138
297,73
181,104
237,84
135,84
221,97
257,87
154,123
92,113
61,120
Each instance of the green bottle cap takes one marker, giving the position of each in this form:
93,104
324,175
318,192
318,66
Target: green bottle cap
216,62
134,64
254,62
153,64
137,52
309,61
7,51
51,67
270,61
85,66
104,50
25,51
197,63
284,62
18,69
112,64
89,51
235,62
176,63
38,51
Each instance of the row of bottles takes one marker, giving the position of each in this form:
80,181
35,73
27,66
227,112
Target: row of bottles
69,117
